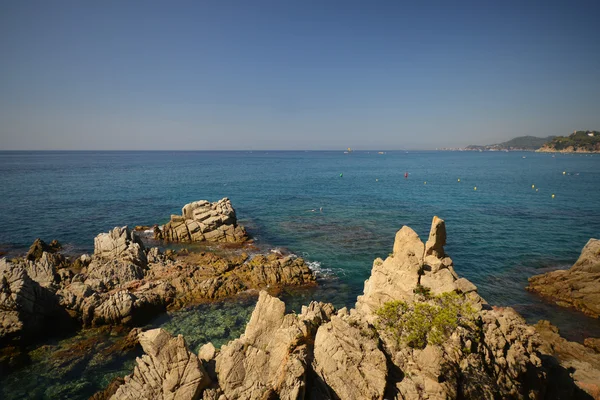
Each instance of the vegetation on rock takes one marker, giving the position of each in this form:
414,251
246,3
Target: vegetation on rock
578,141
425,322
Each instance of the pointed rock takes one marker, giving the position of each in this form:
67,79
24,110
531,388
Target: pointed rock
437,238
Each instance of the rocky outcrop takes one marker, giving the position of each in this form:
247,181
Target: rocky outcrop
581,360
123,283
167,371
348,358
272,358
576,287
413,265
204,221
26,305
322,353
39,247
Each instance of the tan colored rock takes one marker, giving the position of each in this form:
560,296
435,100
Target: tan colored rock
397,276
271,358
201,220
437,238
120,243
465,286
577,287
207,352
167,371
583,362
348,359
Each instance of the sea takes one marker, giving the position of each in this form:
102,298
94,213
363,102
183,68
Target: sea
509,215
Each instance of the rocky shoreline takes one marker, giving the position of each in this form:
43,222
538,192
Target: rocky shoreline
417,332
124,283
576,287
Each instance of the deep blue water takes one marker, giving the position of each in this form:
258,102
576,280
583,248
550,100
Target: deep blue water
498,235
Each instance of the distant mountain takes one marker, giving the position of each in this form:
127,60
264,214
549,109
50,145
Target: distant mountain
576,142
518,143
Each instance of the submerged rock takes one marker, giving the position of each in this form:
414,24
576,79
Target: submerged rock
204,221
576,287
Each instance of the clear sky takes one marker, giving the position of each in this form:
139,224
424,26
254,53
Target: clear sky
294,74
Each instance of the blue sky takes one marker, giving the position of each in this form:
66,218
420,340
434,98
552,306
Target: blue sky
294,74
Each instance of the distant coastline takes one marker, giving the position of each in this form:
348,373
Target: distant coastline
577,142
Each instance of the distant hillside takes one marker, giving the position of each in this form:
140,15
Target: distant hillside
518,143
576,142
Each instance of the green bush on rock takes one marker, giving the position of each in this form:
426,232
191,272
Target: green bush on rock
422,322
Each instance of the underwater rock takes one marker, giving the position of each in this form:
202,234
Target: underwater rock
576,287
203,221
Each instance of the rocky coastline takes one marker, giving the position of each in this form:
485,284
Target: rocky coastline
576,287
124,283
450,345
418,331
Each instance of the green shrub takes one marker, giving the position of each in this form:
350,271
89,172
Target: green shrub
423,291
423,322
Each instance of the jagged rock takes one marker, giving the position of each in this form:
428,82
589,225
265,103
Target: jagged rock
592,343
43,270
348,359
576,287
120,243
167,371
39,247
583,364
26,308
411,264
272,357
200,221
397,276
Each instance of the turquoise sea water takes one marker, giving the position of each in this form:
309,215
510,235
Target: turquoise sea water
498,235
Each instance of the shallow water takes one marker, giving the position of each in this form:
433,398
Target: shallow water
498,235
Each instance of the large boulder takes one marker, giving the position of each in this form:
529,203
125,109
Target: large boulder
576,287
204,221
168,370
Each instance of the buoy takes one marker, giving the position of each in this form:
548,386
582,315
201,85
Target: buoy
376,180
406,174
537,190
341,175
425,183
533,186
475,188
564,172
459,179
552,195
